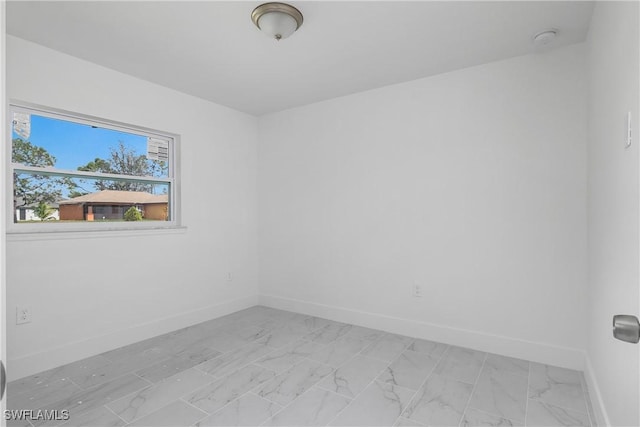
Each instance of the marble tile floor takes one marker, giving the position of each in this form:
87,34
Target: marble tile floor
268,367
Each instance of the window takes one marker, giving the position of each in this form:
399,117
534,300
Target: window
72,172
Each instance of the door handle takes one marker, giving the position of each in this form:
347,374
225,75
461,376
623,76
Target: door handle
626,328
3,379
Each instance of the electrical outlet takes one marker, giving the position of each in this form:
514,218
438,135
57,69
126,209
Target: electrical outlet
417,291
229,276
23,315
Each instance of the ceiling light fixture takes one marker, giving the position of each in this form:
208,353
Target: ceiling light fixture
545,37
277,20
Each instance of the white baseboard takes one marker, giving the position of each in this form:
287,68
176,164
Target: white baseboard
602,418
549,354
70,352
538,352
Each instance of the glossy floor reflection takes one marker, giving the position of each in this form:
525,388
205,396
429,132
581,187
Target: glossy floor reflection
262,366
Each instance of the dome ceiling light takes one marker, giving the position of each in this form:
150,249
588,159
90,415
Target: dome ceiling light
277,20
545,37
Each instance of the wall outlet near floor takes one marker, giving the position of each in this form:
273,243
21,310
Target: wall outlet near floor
416,291
23,315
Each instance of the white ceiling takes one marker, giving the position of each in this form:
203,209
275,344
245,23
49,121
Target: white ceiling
213,51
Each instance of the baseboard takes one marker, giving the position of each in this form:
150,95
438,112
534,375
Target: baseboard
602,418
549,354
539,352
70,352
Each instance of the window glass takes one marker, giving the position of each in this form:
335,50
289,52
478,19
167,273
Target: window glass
70,171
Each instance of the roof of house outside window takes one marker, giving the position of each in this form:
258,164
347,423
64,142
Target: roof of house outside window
117,197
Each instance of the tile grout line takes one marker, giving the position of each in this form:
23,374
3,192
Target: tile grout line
206,414
123,374
378,374
444,353
564,408
113,412
492,414
250,391
295,364
371,344
182,399
144,379
360,392
505,372
357,395
283,407
231,401
141,389
351,358
473,389
293,348
150,413
358,353
334,392
252,362
303,359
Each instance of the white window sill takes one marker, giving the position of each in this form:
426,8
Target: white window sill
14,236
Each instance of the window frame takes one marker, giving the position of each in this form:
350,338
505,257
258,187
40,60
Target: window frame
172,179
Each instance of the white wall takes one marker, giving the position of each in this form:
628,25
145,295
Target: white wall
614,252
472,183
89,295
